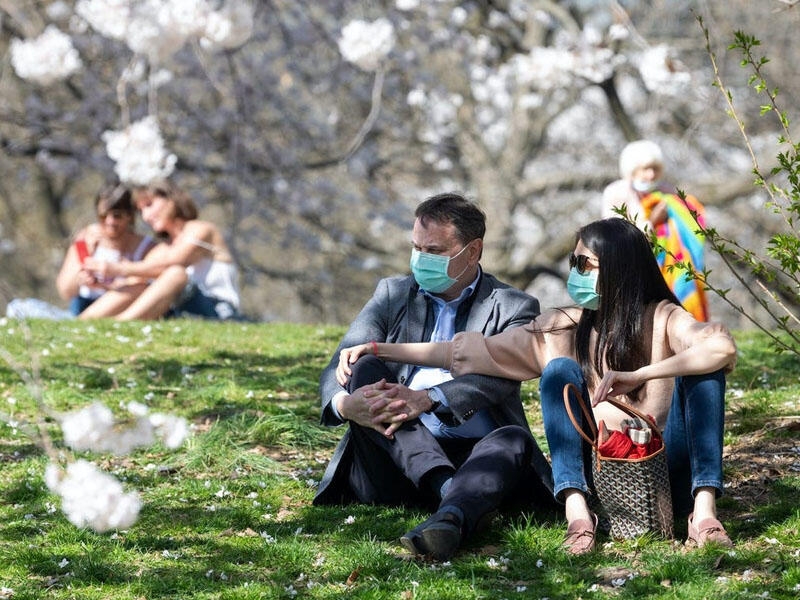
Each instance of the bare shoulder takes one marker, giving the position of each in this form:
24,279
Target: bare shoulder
199,229
93,231
202,232
678,319
207,236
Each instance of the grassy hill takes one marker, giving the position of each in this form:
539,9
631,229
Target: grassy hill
229,514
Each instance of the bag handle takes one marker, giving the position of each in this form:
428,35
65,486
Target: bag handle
624,407
587,413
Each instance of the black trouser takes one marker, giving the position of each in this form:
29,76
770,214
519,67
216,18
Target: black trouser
486,471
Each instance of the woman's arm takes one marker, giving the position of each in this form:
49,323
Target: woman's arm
713,349
518,353
182,251
72,275
422,354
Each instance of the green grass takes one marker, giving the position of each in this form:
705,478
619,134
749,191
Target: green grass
229,515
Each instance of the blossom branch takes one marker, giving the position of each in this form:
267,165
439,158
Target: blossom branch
11,7
90,497
122,96
33,383
372,117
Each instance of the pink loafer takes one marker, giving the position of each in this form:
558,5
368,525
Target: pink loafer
707,531
580,536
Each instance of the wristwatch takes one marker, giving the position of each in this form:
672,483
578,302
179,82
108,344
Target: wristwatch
434,402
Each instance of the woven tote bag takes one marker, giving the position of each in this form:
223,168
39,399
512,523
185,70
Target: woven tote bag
633,494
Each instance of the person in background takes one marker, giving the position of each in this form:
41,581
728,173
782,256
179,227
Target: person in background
628,337
193,274
459,446
655,207
112,238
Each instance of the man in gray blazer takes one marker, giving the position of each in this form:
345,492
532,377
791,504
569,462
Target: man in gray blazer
463,445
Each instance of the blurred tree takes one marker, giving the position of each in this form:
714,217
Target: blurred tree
313,163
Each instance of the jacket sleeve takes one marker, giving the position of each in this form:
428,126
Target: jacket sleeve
370,324
468,394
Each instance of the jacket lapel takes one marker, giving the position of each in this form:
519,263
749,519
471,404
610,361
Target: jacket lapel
482,307
417,313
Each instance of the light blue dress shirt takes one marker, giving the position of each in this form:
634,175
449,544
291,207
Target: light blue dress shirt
422,378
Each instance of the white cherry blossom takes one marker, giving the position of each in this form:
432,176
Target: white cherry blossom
229,27
366,44
94,428
159,28
45,59
407,4
91,498
661,71
86,428
139,152
108,17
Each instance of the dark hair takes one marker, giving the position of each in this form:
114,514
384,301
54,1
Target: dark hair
115,197
185,208
628,280
466,217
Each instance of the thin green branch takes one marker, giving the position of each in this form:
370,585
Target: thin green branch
783,248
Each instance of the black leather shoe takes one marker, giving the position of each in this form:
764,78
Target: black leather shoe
439,536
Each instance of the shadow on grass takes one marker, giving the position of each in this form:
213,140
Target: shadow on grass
763,480
297,372
16,451
260,372
199,552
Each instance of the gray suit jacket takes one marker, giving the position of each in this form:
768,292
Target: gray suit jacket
397,312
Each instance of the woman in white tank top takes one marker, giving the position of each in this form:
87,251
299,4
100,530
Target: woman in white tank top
192,274
111,239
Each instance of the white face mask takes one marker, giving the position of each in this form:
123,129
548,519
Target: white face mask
643,186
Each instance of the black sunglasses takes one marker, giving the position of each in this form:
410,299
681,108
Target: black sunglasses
580,261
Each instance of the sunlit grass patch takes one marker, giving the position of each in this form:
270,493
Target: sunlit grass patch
229,514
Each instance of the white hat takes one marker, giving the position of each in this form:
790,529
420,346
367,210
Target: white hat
640,153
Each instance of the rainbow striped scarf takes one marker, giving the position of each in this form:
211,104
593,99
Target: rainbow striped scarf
682,242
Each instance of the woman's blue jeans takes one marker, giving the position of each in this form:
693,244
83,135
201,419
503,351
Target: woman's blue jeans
693,433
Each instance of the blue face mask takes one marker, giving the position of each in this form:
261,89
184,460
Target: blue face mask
430,271
582,288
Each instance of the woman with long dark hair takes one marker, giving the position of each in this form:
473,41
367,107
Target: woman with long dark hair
628,337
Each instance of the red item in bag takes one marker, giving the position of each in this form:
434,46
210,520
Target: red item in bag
620,445
82,249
